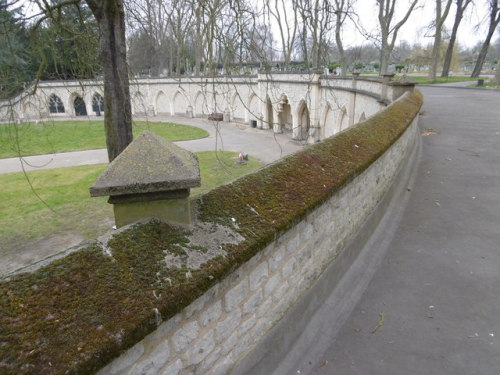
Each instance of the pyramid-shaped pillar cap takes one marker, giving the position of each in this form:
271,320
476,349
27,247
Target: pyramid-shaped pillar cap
150,164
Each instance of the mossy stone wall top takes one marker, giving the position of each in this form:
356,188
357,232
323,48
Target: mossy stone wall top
78,313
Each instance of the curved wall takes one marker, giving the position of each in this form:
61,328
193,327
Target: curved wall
215,332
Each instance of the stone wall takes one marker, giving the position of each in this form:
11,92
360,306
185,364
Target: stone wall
215,332
296,102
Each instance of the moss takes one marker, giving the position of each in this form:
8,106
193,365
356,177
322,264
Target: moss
76,314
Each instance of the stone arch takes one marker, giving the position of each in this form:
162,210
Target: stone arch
343,119
285,117
303,121
179,104
330,126
237,108
161,103
79,105
97,104
138,103
362,117
55,104
30,110
253,108
200,105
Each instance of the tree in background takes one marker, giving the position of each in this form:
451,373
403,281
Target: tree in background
494,20
66,42
440,17
342,9
461,7
388,30
15,60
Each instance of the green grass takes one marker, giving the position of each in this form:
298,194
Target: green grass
23,216
486,85
60,136
423,79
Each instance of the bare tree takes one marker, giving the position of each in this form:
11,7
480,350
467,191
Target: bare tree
388,31
286,21
316,17
461,7
494,16
342,10
148,18
180,16
440,18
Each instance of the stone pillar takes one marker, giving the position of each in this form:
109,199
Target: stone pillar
386,79
151,178
315,109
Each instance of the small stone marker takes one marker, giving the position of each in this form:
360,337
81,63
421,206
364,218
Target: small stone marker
151,178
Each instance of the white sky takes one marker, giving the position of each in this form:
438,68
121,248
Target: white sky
416,29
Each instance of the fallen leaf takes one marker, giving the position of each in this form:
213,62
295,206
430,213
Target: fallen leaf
380,323
428,131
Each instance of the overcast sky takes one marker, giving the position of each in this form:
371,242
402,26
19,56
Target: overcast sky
416,30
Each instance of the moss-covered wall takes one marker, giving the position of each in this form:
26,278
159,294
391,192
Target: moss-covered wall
78,313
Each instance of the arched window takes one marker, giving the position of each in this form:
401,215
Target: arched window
97,104
80,108
55,104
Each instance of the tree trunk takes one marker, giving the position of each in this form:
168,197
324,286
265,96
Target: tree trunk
436,48
453,37
482,55
117,110
494,20
497,74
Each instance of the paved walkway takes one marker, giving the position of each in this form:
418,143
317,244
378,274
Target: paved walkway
433,305
262,144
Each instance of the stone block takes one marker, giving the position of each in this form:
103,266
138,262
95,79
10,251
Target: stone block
211,314
172,369
200,349
185,335
258,276
251,305
235,295
226,327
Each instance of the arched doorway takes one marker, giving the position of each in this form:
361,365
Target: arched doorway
330,126
285,117
303,121
80,108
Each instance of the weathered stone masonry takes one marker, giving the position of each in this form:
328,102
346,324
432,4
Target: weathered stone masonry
212,334
310,106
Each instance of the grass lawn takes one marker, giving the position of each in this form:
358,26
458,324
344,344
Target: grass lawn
24,217
423,79
60,136
486,86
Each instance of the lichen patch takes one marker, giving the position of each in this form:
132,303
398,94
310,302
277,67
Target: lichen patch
206,241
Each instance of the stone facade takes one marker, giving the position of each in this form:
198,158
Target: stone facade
310,106
217,330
